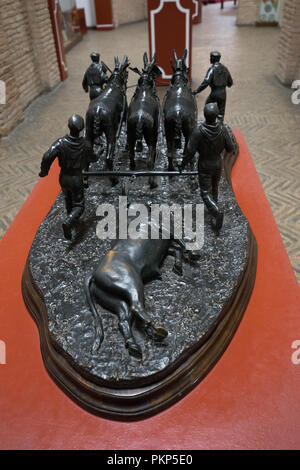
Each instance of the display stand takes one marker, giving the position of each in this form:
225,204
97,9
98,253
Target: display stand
249,400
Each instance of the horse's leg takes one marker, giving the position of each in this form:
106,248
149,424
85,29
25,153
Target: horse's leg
89,136
121,309
131,144
170,147
187,130
151,141
110,134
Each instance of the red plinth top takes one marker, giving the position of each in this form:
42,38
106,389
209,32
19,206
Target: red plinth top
250,399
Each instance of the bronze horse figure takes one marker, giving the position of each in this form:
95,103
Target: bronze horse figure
144,114
107,112
179,109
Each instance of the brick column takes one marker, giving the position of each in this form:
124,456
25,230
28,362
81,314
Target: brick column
28,63
43,42
11,112
247,12
288,63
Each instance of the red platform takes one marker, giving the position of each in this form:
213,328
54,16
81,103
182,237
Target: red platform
250,399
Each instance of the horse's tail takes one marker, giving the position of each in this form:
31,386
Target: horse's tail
97,319
97,124
177,131
139,135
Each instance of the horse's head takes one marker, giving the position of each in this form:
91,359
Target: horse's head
150,71
120,73
180,69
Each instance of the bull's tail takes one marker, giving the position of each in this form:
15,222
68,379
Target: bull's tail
97,319
139,136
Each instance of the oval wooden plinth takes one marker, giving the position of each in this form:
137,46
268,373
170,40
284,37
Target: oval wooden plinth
132,404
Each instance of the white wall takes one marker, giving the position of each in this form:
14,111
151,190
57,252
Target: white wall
89,9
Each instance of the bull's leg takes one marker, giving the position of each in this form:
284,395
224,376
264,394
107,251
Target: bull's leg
121,309
176,251
127,284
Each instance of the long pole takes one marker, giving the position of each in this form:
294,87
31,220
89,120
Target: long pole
139,173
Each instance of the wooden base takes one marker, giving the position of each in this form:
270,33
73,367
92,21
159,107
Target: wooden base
137,403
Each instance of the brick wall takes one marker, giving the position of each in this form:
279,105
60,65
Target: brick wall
247,12
128,11
288,63
27,56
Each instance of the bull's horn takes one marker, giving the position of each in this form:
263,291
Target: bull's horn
184,55
117,61
175,55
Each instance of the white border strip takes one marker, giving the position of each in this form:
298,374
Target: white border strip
104,25
186,11
196,9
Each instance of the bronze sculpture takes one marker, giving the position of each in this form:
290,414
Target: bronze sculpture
95,77
73,153
210,138
212,291
144,113
218,78
179,109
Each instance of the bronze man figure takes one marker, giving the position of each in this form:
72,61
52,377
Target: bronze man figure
73,153
218,78
95,77
209,139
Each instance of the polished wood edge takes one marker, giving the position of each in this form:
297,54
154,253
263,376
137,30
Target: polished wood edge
128,404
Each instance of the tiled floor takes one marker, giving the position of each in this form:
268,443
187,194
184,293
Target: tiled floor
257,104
